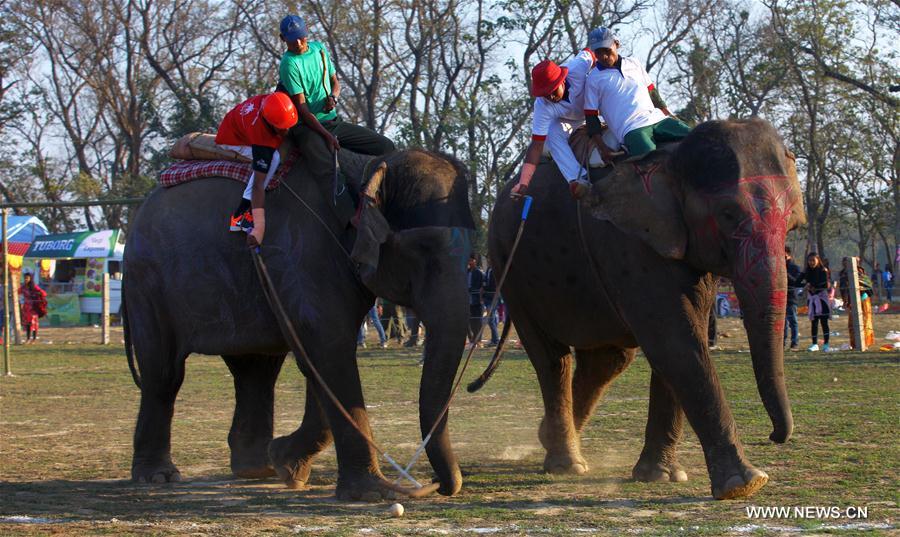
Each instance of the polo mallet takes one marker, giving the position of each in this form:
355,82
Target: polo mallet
495,359
338,188
418,490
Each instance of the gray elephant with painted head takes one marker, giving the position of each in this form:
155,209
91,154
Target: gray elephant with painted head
191,287
637,270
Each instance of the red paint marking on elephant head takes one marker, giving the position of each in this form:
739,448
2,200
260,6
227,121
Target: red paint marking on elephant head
646,175
768,206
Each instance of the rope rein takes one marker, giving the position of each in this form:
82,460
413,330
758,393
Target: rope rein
299,351
477,338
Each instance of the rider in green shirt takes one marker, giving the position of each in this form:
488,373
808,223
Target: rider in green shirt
308,76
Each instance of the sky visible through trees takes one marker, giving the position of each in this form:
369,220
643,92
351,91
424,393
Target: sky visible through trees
92,93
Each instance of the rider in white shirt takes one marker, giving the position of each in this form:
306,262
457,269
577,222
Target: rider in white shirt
620,89
558,111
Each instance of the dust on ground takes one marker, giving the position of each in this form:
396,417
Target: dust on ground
67,417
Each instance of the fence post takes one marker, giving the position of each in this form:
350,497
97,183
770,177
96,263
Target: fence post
104,318
856,320
6,366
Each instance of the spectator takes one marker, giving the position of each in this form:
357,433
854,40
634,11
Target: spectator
475,280
393,316
816,277
865,303
489,291
412,323
790,316
877,283
375,315
34,306
888,278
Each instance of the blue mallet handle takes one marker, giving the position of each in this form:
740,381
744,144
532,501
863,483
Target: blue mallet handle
526,207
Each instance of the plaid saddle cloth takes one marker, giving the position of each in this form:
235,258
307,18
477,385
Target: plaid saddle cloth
183,171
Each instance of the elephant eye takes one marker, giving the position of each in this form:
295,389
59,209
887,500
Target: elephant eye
729,214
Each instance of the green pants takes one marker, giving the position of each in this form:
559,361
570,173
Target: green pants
319,161
353,137
643,140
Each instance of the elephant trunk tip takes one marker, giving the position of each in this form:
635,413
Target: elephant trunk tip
782,433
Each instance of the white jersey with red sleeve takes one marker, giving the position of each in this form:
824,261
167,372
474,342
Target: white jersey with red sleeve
621,94
571,108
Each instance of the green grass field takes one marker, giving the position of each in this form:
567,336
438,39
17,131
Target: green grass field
67,417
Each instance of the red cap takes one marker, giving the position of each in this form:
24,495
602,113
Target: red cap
546,77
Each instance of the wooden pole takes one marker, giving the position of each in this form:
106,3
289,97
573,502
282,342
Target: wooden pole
6,366
104,320
16,311
856,320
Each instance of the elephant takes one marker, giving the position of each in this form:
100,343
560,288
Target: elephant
637,271
191,287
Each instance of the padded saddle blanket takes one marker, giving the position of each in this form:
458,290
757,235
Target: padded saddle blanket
183,171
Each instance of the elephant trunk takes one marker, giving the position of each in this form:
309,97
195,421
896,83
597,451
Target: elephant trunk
443,349
762,291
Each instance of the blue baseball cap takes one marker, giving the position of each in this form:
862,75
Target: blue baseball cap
601,38
293,28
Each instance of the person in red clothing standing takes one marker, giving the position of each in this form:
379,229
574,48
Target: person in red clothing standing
34,306
255,128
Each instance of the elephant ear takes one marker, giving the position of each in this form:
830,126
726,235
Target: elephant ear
642,200
372,228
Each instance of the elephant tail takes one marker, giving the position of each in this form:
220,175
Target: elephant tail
476,384
129,348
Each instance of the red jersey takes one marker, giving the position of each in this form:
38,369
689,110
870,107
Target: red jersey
244,125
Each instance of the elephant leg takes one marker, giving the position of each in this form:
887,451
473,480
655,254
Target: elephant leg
160,382
552,362
292,455
359,475
254,413
665,422
594,370
676,349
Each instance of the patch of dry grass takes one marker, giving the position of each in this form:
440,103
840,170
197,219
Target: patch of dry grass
67,418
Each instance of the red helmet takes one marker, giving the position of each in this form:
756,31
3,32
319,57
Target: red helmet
279,111
546,77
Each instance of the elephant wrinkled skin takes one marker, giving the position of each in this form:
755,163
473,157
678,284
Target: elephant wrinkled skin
191,287
656,231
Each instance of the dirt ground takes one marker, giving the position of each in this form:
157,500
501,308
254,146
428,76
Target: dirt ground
67,416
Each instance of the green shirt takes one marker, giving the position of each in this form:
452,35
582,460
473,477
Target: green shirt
303,73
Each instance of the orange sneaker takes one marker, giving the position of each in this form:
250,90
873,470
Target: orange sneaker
242,222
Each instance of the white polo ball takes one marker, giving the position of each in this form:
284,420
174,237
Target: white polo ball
396,510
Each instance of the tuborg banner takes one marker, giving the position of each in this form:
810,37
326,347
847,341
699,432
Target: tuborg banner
82,244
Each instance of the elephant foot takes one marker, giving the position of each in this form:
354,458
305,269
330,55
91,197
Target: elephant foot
451,486
565,463
654,472
563,454
252,461
253,472
741,485
293,472
364,488
163,472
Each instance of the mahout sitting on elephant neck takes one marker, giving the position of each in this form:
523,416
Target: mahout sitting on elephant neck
674,220
177,248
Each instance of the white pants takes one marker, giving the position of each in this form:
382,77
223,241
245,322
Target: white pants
565,150
247,151
558,145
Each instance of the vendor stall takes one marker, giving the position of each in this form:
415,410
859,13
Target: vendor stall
71,268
